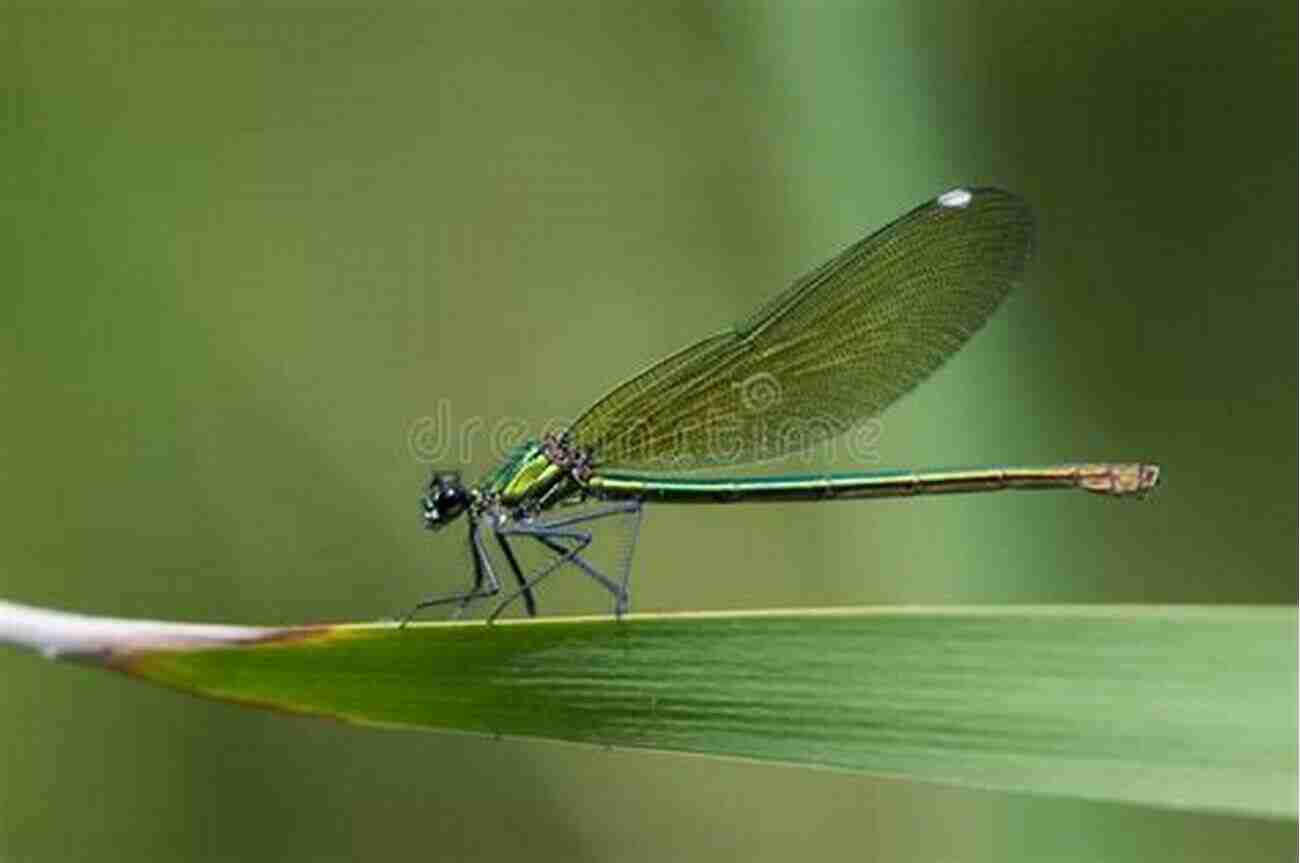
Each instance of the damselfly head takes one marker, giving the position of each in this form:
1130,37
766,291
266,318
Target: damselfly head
447,498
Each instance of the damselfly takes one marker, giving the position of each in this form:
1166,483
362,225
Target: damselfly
827,354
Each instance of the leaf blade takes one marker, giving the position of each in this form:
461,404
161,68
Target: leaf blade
1180,707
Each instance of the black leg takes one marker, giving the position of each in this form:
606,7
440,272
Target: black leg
620,590
556,533
583,540
564,555
525,589
482,573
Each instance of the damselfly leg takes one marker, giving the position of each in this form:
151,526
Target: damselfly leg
564,537
485,580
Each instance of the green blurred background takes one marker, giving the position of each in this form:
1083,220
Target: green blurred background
246,252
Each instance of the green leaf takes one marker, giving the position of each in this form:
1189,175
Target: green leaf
1185,707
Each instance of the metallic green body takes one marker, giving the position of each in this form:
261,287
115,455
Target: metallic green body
1112,479
528,480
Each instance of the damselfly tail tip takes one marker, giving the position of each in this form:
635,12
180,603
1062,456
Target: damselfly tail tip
1121,480
1150,477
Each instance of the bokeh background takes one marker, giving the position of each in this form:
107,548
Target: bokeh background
246,253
